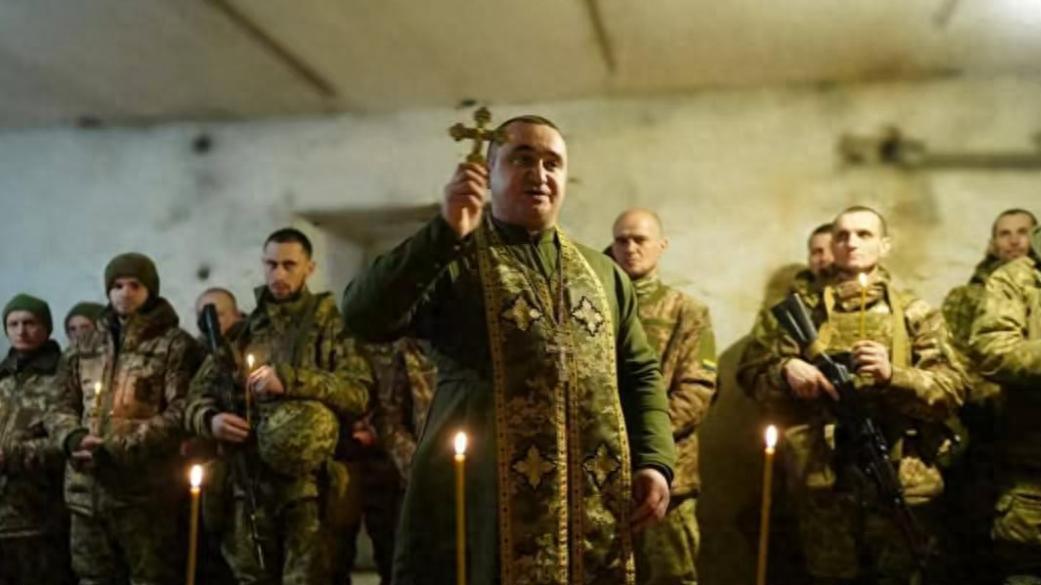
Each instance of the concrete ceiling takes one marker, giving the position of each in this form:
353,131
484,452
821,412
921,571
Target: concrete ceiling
113,61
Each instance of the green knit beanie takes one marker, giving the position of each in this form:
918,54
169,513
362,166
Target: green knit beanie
133,265
38,307
89,310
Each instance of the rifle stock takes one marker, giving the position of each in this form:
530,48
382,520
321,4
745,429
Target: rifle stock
862,436
230,402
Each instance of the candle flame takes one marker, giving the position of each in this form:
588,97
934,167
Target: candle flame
862,278
97,387
195,476
771,437
250,360
460,443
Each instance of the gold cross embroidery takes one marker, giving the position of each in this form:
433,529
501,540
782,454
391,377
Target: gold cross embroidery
533,467
601,465
586,314
522,314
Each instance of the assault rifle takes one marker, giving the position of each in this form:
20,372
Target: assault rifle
229,401
858,433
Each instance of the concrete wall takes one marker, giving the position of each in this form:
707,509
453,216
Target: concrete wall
740,177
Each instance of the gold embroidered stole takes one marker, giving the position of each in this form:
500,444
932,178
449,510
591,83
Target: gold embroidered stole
562,452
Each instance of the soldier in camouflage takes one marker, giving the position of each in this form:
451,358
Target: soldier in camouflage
384,441
910,383
302,386
34,533
81,320
1006,345
120,423
679,329
971,490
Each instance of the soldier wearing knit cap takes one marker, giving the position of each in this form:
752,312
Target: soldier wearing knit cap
81,320
120,424
33,520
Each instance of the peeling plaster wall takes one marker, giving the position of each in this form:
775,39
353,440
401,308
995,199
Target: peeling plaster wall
740,178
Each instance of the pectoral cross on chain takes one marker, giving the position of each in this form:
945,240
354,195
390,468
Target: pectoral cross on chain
560,349
479,134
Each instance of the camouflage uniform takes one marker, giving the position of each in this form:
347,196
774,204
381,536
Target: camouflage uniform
679,329
34,532
404,383
1006,341
302,339
405,393
125,520
968,501
845,533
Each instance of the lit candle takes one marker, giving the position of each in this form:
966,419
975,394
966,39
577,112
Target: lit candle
460,508
250,360
764,513
863,280
195,478
96,414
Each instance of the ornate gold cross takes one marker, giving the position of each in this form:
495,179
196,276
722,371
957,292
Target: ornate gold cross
479,134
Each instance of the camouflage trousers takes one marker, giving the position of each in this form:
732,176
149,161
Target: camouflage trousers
377,490
293,540
844,540
666,553
41,560
1017,528
142,544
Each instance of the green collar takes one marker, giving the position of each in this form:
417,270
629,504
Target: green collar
647,285
44,360
515,234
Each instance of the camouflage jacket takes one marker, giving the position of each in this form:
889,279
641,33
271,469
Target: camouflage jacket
405,382
143,367
960,308
926,389
303,340
1006,343
679,329
30,483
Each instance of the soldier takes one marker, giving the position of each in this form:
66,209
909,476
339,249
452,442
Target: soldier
228,314
34,532
120,421
404,401
384,442
971,485
818,250
81,320
679,329
302,385
1006,342
908,380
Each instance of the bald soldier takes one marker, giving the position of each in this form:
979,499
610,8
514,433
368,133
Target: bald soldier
1006,342
228,313
971,483
679,329
818,250
909,383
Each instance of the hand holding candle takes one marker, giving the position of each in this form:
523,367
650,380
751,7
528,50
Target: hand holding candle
460,507
862,278
195,480
96,410
764,513
250,361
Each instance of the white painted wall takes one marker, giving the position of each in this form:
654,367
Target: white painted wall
740,178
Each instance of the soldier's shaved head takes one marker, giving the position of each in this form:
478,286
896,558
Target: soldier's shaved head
1010,234
639,242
